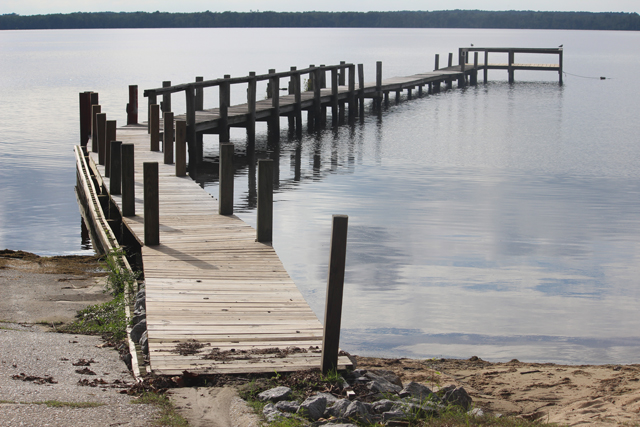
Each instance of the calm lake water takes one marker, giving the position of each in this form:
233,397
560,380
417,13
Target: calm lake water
501,220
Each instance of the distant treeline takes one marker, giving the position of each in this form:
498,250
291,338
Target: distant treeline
403,19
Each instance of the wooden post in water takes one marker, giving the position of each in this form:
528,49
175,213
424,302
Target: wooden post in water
352,93
462,59
560,65
437,65
132,106
361,89
335,290
265,201
199,95
378,84
386,99
85,118
274,122
251,103
101,129
419,91
323,85
181,148
297,94
194,143
341,82
116,168
398,97
225,101
128,180
95,110
151,204
341,76
334,96
225,177
474,75
111,136
317,106
154,127
152,99
511,70
409,93
166,99
450,59
167,144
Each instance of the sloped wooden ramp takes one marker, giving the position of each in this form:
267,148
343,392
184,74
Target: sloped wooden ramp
217,301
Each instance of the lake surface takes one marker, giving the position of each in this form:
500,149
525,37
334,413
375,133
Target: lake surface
500,220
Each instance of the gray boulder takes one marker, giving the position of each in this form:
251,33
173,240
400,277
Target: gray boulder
138,330
382,406
275,395
381,385
459,397
387,375
416,390
358,411
331,399
313,407
338,409
288,406
144,343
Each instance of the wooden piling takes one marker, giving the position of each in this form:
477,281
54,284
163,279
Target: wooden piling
199,95
297,94
317,104
194,144
85,118
116,168
361,89
437,65
334,96
154,127
378,84
274,122
225,101
181,148
511,69
341,75
335,290
151,204
264,232
251,104
111,136
486,66
95,110
132,106
152,100
560,66
128,180
166,99
167,144
101,129
352,93
225,178
450,59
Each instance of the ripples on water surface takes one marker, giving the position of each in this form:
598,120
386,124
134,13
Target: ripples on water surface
498,221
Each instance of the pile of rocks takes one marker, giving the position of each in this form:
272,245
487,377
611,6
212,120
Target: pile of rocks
139,321
387,401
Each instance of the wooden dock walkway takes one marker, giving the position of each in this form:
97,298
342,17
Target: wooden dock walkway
217,300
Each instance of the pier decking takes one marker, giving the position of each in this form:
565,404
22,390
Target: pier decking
217,300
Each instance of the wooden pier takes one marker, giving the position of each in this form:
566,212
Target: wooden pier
218,299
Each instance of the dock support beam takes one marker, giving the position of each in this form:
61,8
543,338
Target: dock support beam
101,130
151,204
361,89
95,110
166,99
111,136
378,98
225,178
167,144
128,181
352,93
486,66
273,124
153,99
181,148
115,180
437,64
560,66
199,95
225,101
511,70
85,118
132,106
265,201
335,288
154,127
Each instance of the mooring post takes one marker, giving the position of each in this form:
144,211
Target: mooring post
194,143
251,104
95,110
132,106
264,227
128,180
511,70
225,100
152,100
151,204
361,89
101,130
419,91
462,59
181,148
323,85
317,104
450,59
111,136
352,93
225,178
297,94
437,65
85,117
560,65
154,127
166,99
378,84
334,96
474,74
335,290
274,123
342,78
486,66
115,187
199,94
167,143
409,93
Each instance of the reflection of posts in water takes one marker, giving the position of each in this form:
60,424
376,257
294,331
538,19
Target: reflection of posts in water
297,160
335,288
352,136
334,150
274,147
264,232
317,152
251,179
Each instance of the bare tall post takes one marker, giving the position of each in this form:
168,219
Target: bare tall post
335,287
486,66
352,93
116,168
166,99
128,181
85,117
511,70
265,201
193,141
167,145
95,110
152,99
132,106
101,130
560,65
199,95
361,89
274,122
225,100
437,65
251,104
151,204
181,148
154,127
297,93
334,96
111,136
450,59
225,177
378,84
317,103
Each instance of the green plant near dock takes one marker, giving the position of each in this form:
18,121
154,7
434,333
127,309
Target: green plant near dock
168,416
120,278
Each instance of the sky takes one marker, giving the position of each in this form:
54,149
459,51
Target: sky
35,7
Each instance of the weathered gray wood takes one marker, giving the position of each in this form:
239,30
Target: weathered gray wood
225,100
101,129
95,110
317,103
151,204
361,89
334,96
132,106
264,232
128,180
199,95
154,127
342,78
251,106
274,122
195,146
511,70
560,65
152,100
166,99
225,177
378,83
335,290
462,56
296,91
450,59
486,66
111,136
85,118
115,187
352,93
168,135
437,65
181,148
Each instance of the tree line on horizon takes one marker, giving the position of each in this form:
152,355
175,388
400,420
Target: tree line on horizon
403,19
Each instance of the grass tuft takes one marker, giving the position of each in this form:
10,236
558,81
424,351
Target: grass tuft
168,416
